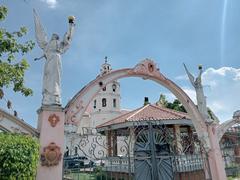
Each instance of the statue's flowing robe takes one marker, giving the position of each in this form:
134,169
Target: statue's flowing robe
52,74
52,70
201,100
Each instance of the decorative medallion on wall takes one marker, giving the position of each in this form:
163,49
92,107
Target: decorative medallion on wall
150,67
51,155
53,119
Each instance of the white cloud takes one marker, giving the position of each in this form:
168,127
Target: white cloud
169,96
181,77
51,3
191,93
222,89
217,106
223,96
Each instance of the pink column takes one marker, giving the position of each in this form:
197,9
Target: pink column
51,128
216,161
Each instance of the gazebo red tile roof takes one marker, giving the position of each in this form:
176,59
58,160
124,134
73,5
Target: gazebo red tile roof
147,112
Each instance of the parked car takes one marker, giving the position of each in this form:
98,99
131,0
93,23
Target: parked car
77,162
71,163
85,162
99,162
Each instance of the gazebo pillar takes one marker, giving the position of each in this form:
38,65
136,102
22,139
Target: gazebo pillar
190,135
114,143
109,143
132,139
177,135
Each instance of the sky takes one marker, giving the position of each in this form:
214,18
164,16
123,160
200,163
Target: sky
169,32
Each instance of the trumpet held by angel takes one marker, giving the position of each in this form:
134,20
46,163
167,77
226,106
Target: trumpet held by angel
52,51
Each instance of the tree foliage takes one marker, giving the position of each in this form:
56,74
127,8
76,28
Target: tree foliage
175,105
12,63
18,156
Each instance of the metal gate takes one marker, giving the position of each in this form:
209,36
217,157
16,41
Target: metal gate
152,150
159,157
147,150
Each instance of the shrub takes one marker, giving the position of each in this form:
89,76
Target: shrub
19,155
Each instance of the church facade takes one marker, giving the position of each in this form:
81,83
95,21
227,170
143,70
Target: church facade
104,107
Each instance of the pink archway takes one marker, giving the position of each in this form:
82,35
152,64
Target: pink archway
146,69
52,134
222,128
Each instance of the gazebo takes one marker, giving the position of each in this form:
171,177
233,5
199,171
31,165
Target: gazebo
156,139
175,122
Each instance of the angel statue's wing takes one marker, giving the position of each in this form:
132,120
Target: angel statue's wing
190,76
39,31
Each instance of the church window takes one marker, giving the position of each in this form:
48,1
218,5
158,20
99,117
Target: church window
95,104
104,102
114,103
104,89
114,87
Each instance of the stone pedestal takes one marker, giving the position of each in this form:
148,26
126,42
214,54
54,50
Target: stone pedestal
51,128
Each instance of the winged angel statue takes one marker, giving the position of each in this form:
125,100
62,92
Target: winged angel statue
52,50
201,100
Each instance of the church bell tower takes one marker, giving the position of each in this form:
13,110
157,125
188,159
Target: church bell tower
106,105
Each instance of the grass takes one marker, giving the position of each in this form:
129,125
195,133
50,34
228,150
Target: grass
233,178
81,176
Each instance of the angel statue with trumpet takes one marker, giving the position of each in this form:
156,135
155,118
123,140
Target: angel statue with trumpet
52,51
201,99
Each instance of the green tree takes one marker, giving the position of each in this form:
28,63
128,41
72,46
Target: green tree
18,156
162,100
12,62
176,104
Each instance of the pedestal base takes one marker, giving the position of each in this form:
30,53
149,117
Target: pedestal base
51,128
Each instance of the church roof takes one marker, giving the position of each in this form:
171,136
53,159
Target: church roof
10,123
148,112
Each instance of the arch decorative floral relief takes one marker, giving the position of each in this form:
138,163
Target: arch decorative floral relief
147,67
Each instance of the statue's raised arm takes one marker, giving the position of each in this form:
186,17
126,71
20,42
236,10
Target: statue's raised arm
64,45
40,34
190,76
